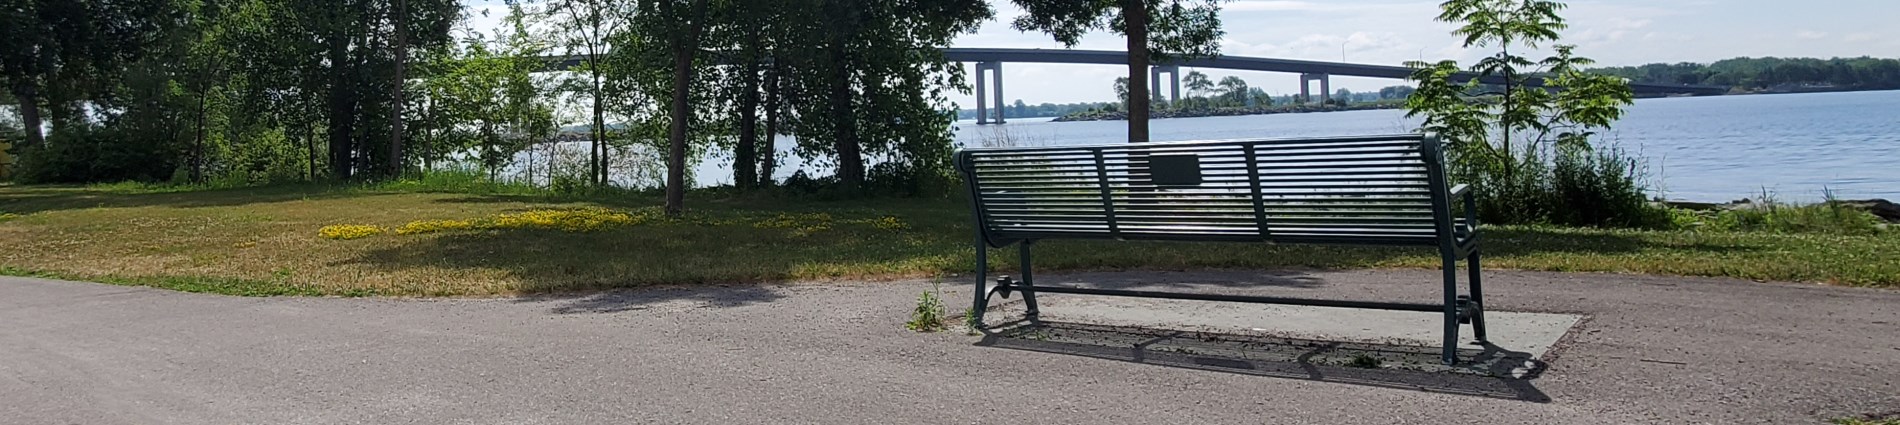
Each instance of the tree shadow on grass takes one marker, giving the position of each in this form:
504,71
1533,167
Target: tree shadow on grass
732,250
37,199
1489,371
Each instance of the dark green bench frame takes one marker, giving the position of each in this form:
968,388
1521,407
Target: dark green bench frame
1370,190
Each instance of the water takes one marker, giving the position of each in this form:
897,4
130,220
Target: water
1720,148
1796,147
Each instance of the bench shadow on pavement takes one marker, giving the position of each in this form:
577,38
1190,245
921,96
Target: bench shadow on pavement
1490,371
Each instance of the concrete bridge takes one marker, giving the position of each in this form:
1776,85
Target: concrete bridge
989,64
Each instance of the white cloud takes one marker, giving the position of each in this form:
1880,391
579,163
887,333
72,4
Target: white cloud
1809,35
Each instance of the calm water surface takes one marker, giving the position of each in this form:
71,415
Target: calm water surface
1794,146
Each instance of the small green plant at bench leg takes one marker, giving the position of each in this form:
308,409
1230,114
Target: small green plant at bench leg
969,321
928,316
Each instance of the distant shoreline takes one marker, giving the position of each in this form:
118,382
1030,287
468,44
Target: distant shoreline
1225,112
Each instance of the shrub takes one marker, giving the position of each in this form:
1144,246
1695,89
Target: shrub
1530,151
1601,188
86,154
1769,215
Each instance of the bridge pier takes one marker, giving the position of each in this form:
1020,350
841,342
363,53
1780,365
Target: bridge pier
983,93
1174,82
1325,87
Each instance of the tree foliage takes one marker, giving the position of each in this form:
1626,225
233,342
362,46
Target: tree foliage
1156,31
1528,149
1863,73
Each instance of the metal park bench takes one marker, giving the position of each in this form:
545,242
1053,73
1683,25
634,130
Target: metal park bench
1375,190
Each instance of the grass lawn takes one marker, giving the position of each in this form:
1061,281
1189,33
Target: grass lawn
265,241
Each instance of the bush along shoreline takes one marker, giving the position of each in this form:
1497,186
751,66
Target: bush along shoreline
1226,111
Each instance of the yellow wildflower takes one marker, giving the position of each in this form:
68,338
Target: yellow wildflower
432,226
349,231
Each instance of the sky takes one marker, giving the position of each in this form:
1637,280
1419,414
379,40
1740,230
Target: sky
1391,32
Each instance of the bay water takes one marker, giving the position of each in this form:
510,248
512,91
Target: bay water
1792,147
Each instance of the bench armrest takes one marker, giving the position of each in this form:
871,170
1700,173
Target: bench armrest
1471,204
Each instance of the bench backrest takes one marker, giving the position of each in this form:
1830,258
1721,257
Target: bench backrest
1351,190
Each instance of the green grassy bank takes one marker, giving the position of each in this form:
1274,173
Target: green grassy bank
410,242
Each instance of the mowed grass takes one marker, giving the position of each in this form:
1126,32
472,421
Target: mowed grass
265,241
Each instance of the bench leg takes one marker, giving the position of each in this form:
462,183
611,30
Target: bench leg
1477,298
982,289
1028,283
1451,308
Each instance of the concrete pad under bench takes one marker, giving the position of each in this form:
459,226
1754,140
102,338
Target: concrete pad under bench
1519,341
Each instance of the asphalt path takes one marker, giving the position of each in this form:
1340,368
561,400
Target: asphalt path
1650,350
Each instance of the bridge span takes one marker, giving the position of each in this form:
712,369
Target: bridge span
989,64
990,61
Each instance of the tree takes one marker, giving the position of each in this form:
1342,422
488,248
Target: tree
1260,97
1197,83
488,91
1121,90
1179,27
868,77
1534,127
1233,91
399,83
1395,92
585,28
685,45
53,43
752,29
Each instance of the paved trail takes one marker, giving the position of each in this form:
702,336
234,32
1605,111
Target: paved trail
1664,350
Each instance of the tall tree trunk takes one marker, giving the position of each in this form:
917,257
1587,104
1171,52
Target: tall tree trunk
488,148
844,121
768,155
310,143
342,108
1135,17
683,53
745,167
597,150
429,133
198,142
396,111
29,96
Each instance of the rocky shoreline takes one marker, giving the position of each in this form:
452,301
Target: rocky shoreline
1224,112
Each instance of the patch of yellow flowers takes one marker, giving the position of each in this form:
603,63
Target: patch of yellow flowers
572,220
349,231
432,226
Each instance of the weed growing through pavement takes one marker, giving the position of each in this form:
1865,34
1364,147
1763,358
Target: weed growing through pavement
928,316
